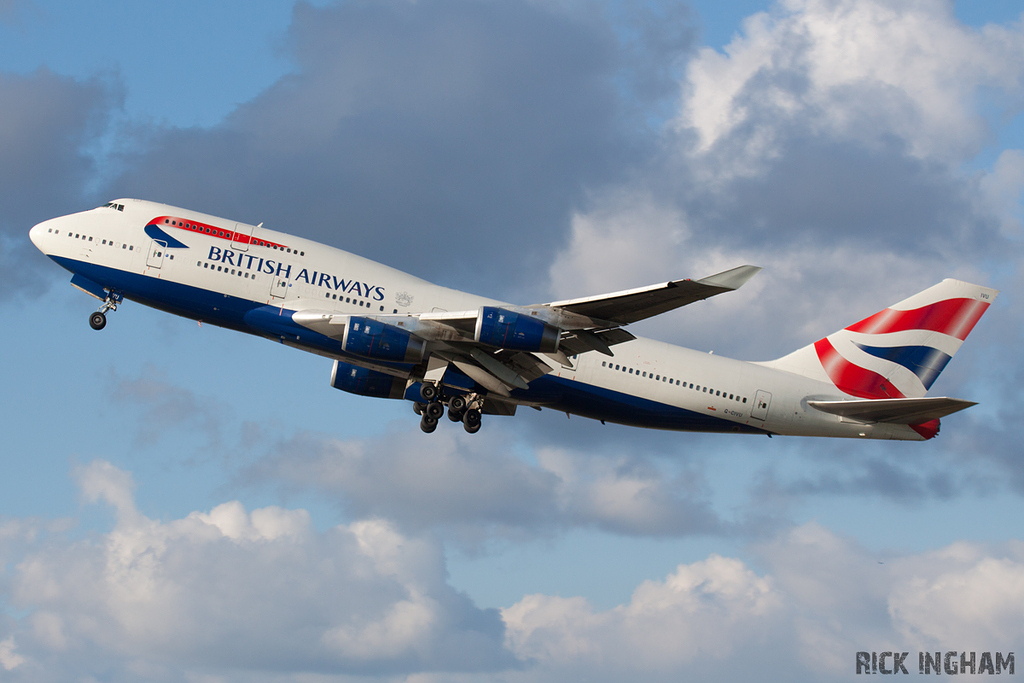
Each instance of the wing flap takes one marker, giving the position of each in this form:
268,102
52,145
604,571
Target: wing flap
580,341
908,411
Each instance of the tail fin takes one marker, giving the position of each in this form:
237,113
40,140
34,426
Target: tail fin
897,352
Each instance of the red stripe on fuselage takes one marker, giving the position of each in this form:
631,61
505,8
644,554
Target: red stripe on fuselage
955,317
853,379
212,231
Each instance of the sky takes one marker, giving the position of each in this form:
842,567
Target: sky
185,503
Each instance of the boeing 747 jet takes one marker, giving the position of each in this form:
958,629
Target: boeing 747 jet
393,335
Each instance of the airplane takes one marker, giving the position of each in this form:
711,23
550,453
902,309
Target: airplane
394,335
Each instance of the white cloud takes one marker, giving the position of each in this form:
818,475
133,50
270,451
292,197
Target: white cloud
857,69
703,609
235,589
9,659
821,600
962,593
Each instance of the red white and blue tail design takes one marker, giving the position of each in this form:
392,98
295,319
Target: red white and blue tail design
898,352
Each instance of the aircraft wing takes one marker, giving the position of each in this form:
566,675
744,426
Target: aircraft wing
907,411
629,306
579,325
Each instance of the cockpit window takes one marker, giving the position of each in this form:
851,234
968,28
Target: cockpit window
112,205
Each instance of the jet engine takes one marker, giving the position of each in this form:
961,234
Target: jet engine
380,341
364,382
510,330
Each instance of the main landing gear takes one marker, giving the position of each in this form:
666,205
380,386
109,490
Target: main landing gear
464,409
98,320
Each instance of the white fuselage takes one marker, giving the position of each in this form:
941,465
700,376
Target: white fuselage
222,271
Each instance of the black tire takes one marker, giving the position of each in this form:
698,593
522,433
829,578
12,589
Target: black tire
427,424
434,410
428,392
454,415
471,428
458,404
418,407
97,321
472,418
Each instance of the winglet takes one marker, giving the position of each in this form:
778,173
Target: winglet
731,279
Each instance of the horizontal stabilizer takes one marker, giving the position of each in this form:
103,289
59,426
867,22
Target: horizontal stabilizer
906,411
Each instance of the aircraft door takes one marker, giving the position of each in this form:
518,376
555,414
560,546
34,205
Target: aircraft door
762,400
242,237
278,287
155,258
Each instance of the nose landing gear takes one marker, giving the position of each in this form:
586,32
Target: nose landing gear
98,320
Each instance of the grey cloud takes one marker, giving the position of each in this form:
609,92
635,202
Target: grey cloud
832,192
166,407
473,489
45,122
465,131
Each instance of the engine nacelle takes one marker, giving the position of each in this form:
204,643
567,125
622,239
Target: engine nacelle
373,339
364,382
510,330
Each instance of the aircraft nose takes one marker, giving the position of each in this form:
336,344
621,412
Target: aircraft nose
36,234
39,232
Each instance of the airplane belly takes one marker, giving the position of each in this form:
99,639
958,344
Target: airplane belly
608,405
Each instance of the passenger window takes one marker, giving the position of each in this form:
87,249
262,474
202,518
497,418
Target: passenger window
744,400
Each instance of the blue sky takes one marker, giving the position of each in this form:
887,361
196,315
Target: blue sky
185,503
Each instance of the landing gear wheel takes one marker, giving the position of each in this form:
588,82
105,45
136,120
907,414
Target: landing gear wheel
472,420
454,415
97,320
428,392
418,407
434,410
428,424
457,404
